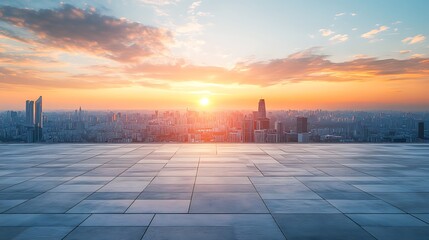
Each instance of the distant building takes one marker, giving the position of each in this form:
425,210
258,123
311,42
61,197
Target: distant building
279,127
29,113
421,130
303,137
260,136
247,129
38,123
272,136
261,109
34,120
262,124
301,125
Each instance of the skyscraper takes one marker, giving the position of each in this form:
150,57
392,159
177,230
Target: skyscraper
29,113
262,122
261,109
38,123
421,130
301,125
247,129
39,113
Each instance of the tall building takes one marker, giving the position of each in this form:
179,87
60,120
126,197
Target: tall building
262,122
279,127
34,120
421,130
247,130
29,113
301,125
261,109
39,113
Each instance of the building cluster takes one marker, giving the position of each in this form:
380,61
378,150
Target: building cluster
34,120
192,126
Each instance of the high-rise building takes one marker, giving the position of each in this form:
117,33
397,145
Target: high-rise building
247,129
262,124
39,113
29,113
261,109
301,125
421,130
279,127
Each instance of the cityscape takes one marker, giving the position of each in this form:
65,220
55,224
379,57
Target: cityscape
214,120
190,126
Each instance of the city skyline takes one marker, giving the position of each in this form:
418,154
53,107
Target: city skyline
337,55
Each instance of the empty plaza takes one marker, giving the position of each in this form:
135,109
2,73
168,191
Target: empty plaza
214,191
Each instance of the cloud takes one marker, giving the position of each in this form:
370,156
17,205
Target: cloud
339,14
404,51
417,55
73,29
353,14
416,39
339,38
373,32
159,2
326,32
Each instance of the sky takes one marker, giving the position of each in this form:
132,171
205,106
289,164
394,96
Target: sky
170,54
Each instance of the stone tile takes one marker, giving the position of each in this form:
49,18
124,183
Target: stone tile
300,206
7,204
227,203
386,220
165,195
101,206
233,188
43,233
364,206
50,203
189,233
159,206
113,196
399,233
106,233
408,202
46,220
320,226
118,220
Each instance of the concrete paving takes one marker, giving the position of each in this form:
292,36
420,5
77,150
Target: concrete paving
214,191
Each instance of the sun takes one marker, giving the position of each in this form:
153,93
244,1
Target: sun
204,101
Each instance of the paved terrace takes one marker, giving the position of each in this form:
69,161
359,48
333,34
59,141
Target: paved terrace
214,191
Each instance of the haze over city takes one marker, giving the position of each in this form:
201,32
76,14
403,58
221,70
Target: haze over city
215,55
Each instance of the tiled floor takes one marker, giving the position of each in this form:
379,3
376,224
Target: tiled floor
214,191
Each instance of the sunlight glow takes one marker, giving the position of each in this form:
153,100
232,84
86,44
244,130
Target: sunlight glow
204,101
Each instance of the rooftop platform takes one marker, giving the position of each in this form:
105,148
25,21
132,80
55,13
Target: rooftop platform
214,191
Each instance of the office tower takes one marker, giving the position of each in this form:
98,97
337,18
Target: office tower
301,125
262,122
261,109
278,126
421,130
29,113
38,123
39,113
248,129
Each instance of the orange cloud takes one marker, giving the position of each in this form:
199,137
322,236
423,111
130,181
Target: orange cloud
416,39
73,29
373,32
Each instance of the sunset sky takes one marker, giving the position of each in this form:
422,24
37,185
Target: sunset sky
170,54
